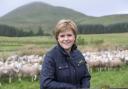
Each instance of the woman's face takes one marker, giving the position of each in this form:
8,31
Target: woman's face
66,39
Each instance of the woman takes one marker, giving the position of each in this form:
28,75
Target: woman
64,66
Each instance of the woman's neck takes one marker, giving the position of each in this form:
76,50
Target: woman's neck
68,50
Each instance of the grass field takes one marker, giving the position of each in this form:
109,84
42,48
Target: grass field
113,79
15,45
116,38
39,45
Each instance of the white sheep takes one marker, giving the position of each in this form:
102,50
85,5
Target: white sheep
29,70
8,71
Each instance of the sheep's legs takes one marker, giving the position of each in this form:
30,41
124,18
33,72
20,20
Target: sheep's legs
19,79
10,79
34,78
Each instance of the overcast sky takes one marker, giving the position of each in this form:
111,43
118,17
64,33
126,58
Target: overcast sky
88,7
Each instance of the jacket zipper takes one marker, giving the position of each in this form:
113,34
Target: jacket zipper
74,68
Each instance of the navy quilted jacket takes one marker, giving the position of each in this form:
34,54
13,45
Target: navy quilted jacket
61,70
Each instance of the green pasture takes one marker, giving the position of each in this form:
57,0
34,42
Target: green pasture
114,79
40,44
115,38
14,45
26,45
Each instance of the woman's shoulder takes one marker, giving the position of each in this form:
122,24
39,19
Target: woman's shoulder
77,52
49,55
52,51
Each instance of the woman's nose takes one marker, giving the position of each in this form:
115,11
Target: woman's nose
65,38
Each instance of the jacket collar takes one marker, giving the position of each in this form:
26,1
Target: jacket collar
74,47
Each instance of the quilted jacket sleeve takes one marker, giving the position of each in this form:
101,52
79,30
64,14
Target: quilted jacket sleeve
86,79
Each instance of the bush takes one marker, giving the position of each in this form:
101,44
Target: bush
80,41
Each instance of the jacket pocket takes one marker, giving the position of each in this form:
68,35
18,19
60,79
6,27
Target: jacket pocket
80,66
63,67
63,73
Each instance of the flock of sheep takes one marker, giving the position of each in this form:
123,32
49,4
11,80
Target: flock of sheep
106,60
18,67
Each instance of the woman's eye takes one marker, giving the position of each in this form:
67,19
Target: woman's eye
61,35
69,35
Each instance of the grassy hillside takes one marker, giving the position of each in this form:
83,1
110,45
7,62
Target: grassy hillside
38,14
33,15
107,20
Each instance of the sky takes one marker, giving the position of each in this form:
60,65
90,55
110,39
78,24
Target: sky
95,8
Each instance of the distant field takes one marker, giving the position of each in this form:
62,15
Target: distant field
116,38
12,45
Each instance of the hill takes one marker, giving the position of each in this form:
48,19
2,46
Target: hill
37,14
107,20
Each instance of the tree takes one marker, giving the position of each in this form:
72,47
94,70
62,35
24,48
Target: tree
40,32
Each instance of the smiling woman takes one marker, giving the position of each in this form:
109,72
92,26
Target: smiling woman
65,34
66,39
64,66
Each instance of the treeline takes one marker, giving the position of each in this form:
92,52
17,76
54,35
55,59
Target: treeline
100,29
11,31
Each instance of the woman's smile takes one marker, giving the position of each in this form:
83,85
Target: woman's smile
66,39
